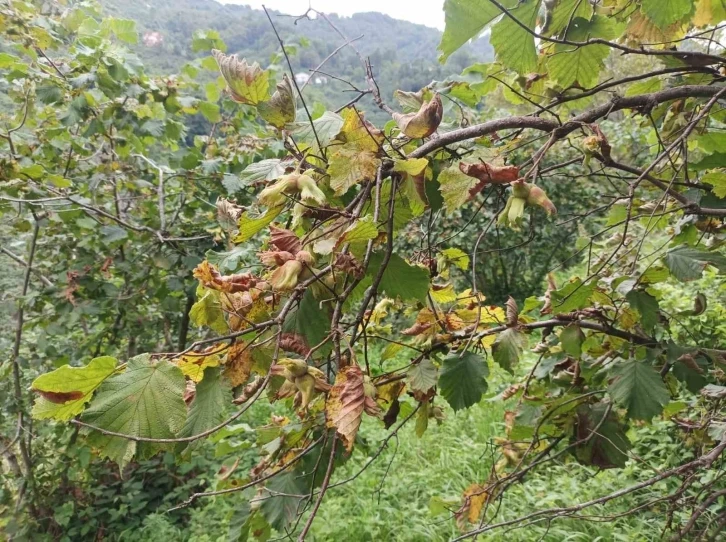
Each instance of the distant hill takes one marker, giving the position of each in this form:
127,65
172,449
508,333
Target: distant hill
403,54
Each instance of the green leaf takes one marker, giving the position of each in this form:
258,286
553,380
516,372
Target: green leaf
572,296
569,65
208,409
507,348
717,179
358,235
457,257
644,87
146,400
310,323
422,419
327,126
665,12
646,305
465,19
463,379
65,391
281,511
639,388
210,111
423,376
7,60
455,187
687,263
264,170
249,226
564,12
207,311
572,338
239,525
124,29
607,447
513,44
400,279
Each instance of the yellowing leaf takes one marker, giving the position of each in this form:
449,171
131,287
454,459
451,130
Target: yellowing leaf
247,83
443,295
207,311
709,12
666,12
193,364
350,165
249,226
65,391
358,133
413,171
422,123
717,179
238,363
457,257
455,187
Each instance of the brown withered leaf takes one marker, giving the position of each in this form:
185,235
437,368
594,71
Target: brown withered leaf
285,240
512,312
211,278
392,414
60,397
228,213
488,173
475,497
602,141
238,363
422,123
292,342
346,403
551,287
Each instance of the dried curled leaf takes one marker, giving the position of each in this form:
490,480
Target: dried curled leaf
422,123
347,400
284,240
247,83
211,278
228,213
512,312
490,173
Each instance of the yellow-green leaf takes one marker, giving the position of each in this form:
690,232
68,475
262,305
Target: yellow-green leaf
65,391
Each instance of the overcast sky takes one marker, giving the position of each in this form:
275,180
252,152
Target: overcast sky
428,12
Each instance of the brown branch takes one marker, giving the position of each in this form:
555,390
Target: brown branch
323,489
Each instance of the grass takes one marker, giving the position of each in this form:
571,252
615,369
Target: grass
390,499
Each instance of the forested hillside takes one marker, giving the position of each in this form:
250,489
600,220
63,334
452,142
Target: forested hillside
403,54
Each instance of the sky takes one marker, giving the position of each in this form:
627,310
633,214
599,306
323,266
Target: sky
427,12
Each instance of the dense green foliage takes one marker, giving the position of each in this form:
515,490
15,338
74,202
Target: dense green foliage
241,310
